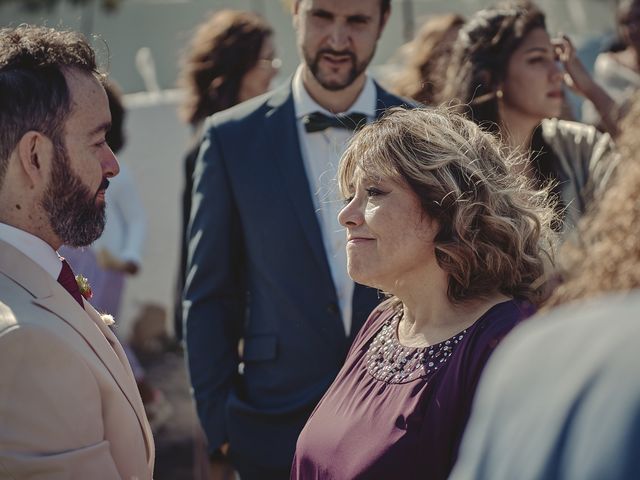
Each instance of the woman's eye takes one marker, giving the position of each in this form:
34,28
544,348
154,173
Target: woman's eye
373,192
348,199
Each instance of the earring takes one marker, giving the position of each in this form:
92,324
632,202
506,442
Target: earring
499,94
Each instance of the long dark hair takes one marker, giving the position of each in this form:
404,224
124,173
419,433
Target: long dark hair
481,55
222,51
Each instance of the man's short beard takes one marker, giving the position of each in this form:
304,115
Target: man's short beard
356,69
70,206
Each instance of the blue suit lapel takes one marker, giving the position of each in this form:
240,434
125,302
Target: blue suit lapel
282,133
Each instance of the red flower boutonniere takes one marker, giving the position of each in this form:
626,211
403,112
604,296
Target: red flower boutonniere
84,286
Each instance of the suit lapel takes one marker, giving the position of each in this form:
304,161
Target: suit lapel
51,296
282,132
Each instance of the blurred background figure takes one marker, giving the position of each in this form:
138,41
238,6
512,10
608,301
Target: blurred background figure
231,59
561,396
118,253
618,70
425,58
505,75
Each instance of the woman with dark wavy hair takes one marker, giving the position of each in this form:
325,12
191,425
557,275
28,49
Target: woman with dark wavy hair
505,75
435,217
231,59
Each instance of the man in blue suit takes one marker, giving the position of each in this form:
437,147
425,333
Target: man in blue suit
266,260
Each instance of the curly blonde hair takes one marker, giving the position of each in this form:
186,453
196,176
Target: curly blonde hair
495,233
604,255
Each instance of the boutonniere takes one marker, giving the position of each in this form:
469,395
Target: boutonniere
84,286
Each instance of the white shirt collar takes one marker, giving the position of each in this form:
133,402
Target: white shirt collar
304,104
33,247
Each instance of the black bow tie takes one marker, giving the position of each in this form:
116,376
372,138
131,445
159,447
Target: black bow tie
318,121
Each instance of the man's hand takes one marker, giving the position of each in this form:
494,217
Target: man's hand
109,262
220,467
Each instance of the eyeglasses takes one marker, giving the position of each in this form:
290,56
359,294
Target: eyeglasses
267,63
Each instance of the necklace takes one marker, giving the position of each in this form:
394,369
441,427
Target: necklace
389,361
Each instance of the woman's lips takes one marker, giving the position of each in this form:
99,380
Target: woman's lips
356,240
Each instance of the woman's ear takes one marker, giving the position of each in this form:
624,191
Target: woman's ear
485,78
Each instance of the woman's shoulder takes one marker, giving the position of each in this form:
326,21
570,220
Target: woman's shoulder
554,129
498,321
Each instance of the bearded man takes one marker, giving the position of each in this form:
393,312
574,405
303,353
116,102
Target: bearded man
69,404
266,260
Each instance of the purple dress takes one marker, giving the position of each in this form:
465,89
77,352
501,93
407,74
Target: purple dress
399,412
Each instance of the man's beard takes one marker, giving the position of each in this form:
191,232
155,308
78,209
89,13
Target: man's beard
70,206
356,68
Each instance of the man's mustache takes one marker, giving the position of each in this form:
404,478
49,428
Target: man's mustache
336,53
103,186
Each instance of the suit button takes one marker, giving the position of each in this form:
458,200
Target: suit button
332,308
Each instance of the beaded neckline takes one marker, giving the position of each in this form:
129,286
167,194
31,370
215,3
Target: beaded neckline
391,362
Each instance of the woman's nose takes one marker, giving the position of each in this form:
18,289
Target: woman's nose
351,214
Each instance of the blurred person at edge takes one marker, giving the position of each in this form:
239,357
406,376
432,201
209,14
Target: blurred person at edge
435,217
69,405
504,74
424,59
231,58
561,397
266,261
618,70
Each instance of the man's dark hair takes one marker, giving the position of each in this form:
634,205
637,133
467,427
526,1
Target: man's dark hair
385,5
33,91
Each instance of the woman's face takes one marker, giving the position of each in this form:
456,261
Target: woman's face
532,86
389,237
257,80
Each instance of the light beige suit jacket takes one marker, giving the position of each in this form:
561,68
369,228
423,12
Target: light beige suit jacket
69,405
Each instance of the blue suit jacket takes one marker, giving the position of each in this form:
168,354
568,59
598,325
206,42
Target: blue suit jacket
257,270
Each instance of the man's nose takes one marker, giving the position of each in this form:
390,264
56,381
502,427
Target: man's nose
110,167
339,37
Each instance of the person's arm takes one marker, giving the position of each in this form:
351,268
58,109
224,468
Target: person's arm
579,79
50,410
127,202
215,290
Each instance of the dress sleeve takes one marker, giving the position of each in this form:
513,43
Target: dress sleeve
489,335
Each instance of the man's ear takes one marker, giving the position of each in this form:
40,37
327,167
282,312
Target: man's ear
35,152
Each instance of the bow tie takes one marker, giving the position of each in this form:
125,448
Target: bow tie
318,121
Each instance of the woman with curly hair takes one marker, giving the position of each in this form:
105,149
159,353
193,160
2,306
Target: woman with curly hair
437,219
425,59
231,59
505,75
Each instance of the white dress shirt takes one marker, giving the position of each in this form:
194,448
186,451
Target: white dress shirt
33,247
321,152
